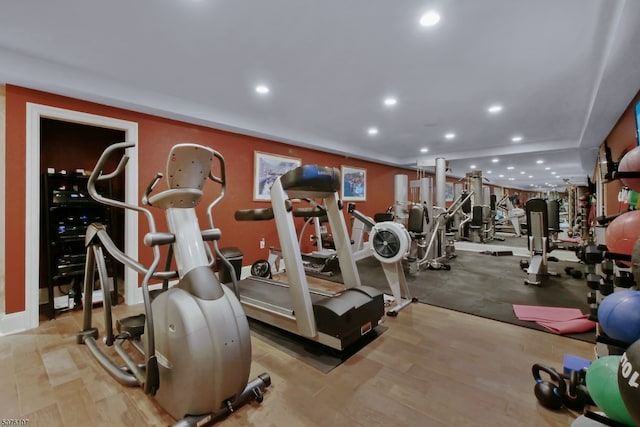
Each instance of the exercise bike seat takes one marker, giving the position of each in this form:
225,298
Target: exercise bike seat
188,167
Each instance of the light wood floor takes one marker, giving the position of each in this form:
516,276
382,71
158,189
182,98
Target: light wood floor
432,367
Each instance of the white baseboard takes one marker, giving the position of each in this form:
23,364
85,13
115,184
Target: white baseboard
14,322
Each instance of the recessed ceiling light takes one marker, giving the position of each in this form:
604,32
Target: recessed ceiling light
547,168
472,166
390,101
522,172
424,150
501,176
510,168
495,160
262,89
372,131
512,179
449,135
553,173
516,138
530,176
539,162
430,19
489,171
494,109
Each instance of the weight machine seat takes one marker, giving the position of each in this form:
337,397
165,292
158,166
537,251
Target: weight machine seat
553,212
477,217
466,206
383,217
415,223
538,205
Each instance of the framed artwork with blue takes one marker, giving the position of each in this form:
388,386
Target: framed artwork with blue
354,184
267,168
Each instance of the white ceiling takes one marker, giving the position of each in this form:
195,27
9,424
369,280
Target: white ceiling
564,71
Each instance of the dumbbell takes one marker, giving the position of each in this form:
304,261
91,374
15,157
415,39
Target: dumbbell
593,281
573,272
624,280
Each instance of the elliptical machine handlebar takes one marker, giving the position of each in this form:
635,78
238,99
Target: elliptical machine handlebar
151,371
156,179
222,180
98,175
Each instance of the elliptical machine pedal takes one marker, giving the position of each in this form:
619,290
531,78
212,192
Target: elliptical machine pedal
133,326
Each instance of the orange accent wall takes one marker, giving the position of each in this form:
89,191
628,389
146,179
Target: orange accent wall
156,136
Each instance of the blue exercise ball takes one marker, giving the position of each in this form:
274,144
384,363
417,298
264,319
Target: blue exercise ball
619,315
629,380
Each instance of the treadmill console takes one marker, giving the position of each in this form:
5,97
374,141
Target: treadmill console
312,179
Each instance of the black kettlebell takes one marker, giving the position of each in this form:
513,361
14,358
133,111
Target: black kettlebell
577,396
550,394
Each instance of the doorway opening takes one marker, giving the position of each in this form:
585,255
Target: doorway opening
68,152
35,115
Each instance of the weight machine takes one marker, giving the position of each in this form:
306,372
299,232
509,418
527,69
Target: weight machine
510,214
482,227
428,223
437,235
538,241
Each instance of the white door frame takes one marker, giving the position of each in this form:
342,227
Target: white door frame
32,232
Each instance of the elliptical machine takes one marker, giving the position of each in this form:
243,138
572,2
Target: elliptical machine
193,337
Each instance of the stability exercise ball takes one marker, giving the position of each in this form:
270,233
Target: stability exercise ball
631,163
623,232
602,384
629,380
619,315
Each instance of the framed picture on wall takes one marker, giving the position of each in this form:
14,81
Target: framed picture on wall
457,190
448,191
354,184
266,169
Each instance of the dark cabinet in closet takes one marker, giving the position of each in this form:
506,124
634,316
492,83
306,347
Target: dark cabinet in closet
67,211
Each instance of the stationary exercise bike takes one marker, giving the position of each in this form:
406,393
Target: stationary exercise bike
193,338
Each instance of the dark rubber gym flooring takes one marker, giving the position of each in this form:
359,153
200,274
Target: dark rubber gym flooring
487,286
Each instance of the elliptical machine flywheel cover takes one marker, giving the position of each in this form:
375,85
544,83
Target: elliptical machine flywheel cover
390,242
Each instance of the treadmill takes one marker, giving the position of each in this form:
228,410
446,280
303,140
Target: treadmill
335,320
